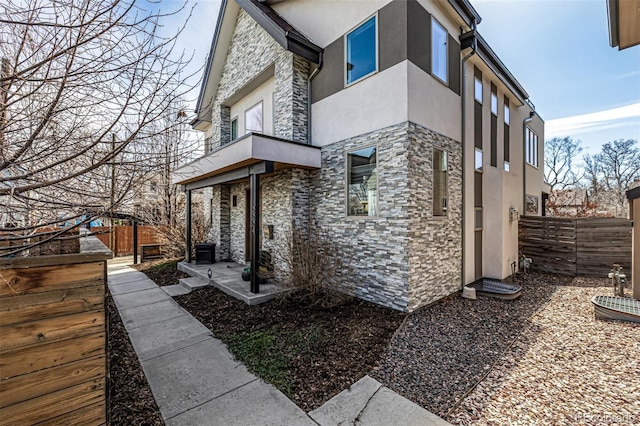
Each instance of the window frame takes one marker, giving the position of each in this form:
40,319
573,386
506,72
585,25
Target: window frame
236,121
477,80
494,98
445,204
531,148
434,24
507,114
346,51
246,131
347,170
478,151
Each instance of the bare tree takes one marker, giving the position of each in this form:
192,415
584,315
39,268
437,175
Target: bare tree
560,170
610,172
84,84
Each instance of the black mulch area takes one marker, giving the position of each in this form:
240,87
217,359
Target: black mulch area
130,398
444,349
162,272
324,350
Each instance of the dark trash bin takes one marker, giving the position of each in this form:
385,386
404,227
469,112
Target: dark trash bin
205,253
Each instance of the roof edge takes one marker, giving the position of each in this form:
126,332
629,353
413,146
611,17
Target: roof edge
493,61
613,15
466,11
214,44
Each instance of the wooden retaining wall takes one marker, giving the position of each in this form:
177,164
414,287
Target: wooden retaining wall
53,364
585,247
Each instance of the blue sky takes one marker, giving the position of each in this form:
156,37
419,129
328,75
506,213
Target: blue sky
558,50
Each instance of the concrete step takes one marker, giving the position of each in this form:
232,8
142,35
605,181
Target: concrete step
175,290
192,283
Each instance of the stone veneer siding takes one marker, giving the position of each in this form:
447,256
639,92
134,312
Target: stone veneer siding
252,50
435,243
377,247
404,258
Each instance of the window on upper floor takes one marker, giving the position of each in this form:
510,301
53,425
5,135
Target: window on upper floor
362,51
506,114
494,103
531,147
362,182
439,182
253,119
478,159
438,50
478,89
234,129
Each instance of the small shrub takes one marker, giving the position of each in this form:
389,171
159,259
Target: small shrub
314,269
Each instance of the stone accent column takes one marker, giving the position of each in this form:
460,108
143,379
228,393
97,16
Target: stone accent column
225,124
223,250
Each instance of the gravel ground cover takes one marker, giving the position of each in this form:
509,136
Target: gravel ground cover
565,368
444,349
541,359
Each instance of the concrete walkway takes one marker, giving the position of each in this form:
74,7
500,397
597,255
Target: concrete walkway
195,380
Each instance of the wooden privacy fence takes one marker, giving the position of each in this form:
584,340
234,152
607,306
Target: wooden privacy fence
586,247
52,353
124,237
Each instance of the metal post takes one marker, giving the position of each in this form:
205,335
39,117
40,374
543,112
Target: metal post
255,232
135,242
187,254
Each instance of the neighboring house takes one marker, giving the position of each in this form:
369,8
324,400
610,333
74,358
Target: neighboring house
390,123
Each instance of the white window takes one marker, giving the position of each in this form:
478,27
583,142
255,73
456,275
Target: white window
362,182
234,129
507,166
438,50
478,89
531,147
439,182
253,119
494,103
506,114
362,51
478,159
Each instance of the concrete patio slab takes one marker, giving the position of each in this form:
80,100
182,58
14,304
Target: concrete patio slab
131,286
167,336
256,403
139,298
387,408
345,407
149,314
175,290
122,276
184,379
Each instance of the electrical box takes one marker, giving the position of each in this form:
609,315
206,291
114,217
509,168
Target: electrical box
513,214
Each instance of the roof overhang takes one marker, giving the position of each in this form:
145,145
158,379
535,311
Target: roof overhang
489,57
234,161
624,23
466,11
633,193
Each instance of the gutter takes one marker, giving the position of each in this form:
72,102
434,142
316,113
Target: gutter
463,100
311,77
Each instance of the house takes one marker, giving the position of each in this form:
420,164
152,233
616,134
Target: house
392,123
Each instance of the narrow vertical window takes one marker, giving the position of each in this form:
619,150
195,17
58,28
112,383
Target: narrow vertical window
438,50
531,148
253,119
362,51
494,103
362,182
234,129
478,159
439,182
506,112
478,89
506,136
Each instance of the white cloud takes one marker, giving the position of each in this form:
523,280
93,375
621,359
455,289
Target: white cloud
595,121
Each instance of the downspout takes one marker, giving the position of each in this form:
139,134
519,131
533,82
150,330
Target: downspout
311,77
524,158
463,102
